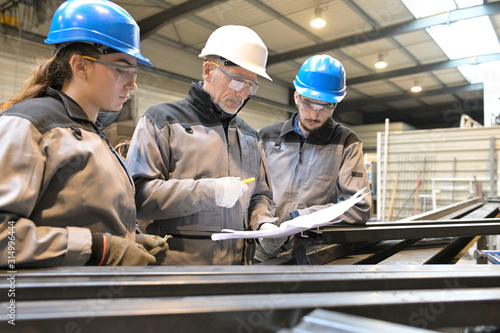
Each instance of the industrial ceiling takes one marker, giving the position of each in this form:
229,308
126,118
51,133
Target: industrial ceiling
356,32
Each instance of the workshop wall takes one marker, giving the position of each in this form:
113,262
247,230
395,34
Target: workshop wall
450,165
18,58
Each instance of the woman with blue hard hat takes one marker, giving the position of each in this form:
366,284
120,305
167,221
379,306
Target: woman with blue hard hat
313,161
66,197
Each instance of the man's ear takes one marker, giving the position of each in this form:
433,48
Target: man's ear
207,71
296,98
78,65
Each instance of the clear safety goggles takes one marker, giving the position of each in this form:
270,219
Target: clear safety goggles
328,108
124,73
239,83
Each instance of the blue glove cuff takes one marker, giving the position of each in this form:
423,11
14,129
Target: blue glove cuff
295,214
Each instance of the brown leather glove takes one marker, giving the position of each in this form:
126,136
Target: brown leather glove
156,245
112,250
124,252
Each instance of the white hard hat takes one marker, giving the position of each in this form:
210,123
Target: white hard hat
240,45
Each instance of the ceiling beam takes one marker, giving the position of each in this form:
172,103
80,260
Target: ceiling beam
387,99
271,12
192,17
424,68
437,116
21,34
153,23
389,31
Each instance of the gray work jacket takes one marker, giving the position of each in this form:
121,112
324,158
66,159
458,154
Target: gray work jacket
327,168
60,180
177,150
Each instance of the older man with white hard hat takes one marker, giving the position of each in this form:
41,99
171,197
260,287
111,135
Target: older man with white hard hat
189,158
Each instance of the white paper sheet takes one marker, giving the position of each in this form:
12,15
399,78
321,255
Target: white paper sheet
301,223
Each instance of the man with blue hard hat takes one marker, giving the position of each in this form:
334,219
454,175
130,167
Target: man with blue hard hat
313,161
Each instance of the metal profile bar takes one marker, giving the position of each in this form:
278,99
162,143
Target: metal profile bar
430,222
386,253
453,251
260,313
87,273
159,282
320,254
488,210
360,234
437,214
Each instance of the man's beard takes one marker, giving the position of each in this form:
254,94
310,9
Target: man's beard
307,128
227,110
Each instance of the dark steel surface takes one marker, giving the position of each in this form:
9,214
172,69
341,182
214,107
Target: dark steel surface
452,253
387,252
452,211
258,313
179,282
362,234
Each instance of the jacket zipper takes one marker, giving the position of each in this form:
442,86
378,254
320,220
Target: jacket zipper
228,146
292,183
117,156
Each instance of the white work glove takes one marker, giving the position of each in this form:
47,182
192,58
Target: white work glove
228,190
271,245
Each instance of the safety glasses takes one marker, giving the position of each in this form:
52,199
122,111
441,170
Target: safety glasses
239,83
317,107
125,73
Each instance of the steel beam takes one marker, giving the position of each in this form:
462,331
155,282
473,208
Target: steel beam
257,313
363,234
406,95
387,252
454,251
166,281
319,254
452,211
424,68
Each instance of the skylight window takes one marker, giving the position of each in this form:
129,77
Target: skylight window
423,8
465,38
481,72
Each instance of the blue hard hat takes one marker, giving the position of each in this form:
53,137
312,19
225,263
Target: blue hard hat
322,78
96,21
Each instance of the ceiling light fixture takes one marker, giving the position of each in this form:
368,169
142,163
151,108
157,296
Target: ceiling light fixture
416,87
318,21
381,63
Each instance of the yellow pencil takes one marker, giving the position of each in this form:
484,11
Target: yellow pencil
249,180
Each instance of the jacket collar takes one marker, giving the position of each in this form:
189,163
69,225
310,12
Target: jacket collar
74,110
323,134
200,98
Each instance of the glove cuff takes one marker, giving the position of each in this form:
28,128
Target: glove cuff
99,248
295,214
